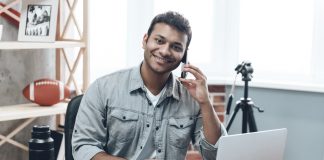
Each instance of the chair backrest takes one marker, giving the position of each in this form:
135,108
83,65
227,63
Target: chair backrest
71,112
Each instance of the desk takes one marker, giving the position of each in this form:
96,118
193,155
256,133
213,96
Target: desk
29,112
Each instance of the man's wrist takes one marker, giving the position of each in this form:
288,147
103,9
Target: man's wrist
105,156
205,104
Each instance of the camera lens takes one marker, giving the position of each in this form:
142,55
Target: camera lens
41,145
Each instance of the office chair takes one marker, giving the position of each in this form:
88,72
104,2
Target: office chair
71,112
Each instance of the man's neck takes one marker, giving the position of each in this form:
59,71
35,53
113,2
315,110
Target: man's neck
152,80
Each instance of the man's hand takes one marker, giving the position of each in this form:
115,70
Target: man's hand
197,87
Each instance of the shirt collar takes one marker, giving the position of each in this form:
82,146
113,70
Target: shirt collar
172,86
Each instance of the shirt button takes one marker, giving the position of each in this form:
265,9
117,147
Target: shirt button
141,147
156,128
158,106
159,150
181,126
124,117
147,125
150,103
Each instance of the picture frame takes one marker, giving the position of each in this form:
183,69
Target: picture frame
38,20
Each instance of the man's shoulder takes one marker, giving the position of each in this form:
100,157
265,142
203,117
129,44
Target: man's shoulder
117,75
116,80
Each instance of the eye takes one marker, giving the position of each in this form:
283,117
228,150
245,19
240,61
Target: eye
159,41
177,48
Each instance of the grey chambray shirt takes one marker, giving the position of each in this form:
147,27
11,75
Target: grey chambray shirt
116,116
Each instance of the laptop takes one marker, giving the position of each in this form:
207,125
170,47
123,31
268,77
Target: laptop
262,145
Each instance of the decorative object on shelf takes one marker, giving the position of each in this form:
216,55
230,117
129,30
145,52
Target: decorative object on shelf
38,20
46,92
10,14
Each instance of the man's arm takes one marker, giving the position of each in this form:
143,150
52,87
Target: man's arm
211,123
199,91
90,130
105,156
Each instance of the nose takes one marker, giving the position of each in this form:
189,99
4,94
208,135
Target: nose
165,50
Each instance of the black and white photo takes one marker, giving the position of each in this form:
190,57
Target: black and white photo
38,20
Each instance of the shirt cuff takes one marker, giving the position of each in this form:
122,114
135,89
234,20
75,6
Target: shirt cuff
209,146
86,152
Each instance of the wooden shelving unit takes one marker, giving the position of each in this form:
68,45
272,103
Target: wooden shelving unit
10,45
23,111
62,45
29,112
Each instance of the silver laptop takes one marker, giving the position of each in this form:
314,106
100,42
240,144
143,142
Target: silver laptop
262,145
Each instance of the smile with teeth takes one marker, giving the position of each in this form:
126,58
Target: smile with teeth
160,59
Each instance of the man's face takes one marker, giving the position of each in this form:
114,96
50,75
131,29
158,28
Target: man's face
164,49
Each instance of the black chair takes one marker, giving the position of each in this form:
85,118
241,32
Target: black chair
71,112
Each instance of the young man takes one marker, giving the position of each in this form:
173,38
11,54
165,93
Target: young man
147,112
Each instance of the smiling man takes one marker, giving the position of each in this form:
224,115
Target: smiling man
146,111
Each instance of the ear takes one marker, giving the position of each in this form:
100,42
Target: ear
145,38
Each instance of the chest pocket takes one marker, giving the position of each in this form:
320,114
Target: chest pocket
180,131
122,125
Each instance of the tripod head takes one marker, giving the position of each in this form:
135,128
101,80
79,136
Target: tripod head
245,69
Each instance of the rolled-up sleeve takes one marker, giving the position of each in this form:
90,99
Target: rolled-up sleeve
207,150
89,133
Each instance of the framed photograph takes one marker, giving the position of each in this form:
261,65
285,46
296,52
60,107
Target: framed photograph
38,20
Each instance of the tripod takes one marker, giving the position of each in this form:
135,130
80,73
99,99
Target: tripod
245,103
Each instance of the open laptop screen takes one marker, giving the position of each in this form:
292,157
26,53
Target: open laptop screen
262,145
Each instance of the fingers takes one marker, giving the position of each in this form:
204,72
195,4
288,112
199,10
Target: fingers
195,71
188,82
200,78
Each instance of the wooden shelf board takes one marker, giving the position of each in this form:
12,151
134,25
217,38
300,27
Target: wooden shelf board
40,45
30,110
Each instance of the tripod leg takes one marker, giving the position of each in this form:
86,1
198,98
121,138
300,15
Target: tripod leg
251,120
237,107
245,118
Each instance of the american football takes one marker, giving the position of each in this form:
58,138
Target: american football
46,92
